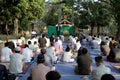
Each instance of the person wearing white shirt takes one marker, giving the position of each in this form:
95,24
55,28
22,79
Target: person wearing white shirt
94,44
89,38
28,54
19,41
84,41
61,45
47,41
33,39
5,53
73,43
67,56
31,46
70,38
16,62
100,70
62,37
78,44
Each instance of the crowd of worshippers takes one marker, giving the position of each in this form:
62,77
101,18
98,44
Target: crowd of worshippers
14,55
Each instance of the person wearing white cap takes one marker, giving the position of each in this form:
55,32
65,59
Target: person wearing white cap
16,62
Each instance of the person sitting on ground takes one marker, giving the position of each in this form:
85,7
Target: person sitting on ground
5,53
3,72
84,62
11,45
31,46
52,38
16,62
47,41
53,75
78,45
119,44
39,71
107,77
114,55
67,56
42,41
57,48
112,42
37,49
50,51
48,61
28,54
107,41
94,43
105,49
84,40
100,70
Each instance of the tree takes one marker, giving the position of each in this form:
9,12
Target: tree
6,15
92,13
53,8
32,10
116,12
13,11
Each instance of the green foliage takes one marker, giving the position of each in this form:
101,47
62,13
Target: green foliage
96,14
52,11
11,9
25,24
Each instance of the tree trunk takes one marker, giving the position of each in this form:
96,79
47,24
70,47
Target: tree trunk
16,26
92,27
98,29
6,27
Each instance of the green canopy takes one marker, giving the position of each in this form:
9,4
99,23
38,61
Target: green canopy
52,29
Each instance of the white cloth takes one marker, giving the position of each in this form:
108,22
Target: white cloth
33,32
19,41
67,57
62,38
16,63
73,43
33,40
31,47
48,42
89,38
70,39
27,54
95,44
98,40
78,45
5,54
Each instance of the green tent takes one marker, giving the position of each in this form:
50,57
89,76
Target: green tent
52,29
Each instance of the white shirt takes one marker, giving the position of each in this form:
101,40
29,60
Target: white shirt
27,54
19,41
33,40
78,45
70,38
67,57
73,43
99,71
16,63
33,32
5,54
62,38
95,44
98,40
31,47
48,42
89,38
